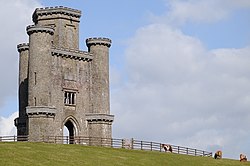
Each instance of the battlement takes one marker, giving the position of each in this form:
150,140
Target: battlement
37,28
72,54
58,12
41,111
99,117
22,47
98,41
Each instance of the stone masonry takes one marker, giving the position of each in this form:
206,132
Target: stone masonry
60,85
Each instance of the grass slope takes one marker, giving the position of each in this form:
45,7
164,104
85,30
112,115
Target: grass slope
23,153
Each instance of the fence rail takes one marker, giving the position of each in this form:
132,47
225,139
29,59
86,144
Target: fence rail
110,142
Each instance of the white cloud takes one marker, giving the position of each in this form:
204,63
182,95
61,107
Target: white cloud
182,11
177,91
7,127
15,15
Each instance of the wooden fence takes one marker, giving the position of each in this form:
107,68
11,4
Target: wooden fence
110,142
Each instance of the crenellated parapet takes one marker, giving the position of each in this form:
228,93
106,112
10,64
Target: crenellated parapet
72,54
99,118
56,12
41,111
22,47
37,28
98,41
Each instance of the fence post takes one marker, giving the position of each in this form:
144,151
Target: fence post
178,149
122,143
90,141
132,143
141,145
151,146
187,150
195,152
160,147
14,138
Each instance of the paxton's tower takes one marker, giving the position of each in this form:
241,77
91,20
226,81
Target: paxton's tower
60,85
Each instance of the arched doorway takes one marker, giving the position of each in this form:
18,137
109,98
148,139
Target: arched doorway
70,130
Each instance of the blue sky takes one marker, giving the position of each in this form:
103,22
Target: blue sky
179,69
232,32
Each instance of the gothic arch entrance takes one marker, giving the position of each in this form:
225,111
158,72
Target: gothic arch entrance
71,132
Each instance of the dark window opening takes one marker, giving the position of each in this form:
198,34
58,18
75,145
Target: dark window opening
69,98
35,77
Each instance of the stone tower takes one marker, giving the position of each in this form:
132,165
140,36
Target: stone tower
59,85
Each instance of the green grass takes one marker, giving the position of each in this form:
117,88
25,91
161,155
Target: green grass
25,154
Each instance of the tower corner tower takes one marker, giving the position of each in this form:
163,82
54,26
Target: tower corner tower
100,120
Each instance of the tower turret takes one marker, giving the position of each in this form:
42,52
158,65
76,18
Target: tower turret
99,47
39,64
39,110
65,22
23,50
99,120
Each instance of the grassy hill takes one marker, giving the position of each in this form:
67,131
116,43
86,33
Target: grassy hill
23,153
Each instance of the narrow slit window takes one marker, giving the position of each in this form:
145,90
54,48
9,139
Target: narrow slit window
69,98
35,77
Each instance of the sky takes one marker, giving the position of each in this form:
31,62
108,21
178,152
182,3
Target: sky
179,69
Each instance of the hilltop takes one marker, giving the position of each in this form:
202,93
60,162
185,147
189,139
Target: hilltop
26,153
